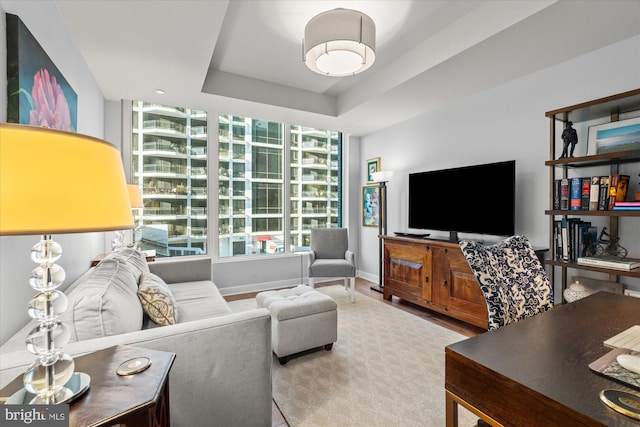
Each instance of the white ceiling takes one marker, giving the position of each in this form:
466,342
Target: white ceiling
245,57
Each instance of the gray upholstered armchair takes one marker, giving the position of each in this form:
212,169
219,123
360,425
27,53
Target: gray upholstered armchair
330,257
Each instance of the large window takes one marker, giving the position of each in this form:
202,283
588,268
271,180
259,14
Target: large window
169,159
274,182
313,182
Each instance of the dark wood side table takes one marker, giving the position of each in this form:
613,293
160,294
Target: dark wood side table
136,400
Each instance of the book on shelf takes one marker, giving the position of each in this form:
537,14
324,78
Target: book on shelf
603,200
556,194
564,235
575,194
557,239
572,237
588,235
610,262
623,186
585,193
613,187
617,189
564,194
627,206
594,193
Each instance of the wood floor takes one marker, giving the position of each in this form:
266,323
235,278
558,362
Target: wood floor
364,287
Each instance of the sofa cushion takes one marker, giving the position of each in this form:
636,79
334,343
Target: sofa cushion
157,300
132,257
198,300
105,301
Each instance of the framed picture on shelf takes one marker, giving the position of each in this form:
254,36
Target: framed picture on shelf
623,135
373,166
371,206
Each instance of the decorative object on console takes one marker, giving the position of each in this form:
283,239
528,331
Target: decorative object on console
382,177
135,198
46,189
339,42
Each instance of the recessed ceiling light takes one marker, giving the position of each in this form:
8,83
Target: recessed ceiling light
160,91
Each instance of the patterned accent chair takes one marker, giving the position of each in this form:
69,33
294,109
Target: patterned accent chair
511,277
330,257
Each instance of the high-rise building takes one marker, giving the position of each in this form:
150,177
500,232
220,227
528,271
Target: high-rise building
170,164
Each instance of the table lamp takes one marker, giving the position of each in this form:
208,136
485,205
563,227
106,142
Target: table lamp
53,181
135,198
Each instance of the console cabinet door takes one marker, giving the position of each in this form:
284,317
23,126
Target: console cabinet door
407,271
458,292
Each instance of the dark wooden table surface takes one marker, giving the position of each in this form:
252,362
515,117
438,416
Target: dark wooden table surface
136,400
535,372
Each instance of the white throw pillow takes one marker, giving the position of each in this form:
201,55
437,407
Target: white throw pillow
157,300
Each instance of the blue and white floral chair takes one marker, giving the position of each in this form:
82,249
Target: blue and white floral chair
511,277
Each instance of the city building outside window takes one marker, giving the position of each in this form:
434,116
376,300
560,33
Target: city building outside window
169,159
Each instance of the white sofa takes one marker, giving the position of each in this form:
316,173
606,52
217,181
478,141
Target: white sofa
222,372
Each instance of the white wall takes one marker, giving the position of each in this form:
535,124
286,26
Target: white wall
506,122
46,24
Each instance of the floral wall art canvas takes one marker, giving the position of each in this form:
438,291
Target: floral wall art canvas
38,93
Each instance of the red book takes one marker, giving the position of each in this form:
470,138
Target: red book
564,194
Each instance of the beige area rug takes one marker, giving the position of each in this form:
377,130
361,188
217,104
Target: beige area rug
386,369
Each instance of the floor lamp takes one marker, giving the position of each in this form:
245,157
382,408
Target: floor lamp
381,178
53,181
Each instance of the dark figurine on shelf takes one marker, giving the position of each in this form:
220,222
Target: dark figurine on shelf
570,137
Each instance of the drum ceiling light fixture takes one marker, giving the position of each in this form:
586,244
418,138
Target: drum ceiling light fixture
339,42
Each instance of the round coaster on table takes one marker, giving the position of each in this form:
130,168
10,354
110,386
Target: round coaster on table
133,366
621,401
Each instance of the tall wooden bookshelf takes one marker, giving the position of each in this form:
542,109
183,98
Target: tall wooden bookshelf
604,109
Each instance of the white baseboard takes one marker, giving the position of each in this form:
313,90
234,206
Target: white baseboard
266,286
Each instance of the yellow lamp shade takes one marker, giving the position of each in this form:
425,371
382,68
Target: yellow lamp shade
134,196
53,181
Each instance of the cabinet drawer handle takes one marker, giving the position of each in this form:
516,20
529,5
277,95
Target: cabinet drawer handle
444,283
426,279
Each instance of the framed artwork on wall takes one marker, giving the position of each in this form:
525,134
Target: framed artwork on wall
623,135
373,166
371,206
38,93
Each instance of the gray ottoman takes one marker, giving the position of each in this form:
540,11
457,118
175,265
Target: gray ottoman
301,319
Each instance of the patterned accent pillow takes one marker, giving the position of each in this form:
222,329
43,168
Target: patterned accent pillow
157,300
512,279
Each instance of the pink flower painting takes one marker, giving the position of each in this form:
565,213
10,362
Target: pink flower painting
50,108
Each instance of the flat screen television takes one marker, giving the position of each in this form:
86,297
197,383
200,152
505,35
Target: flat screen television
478,199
